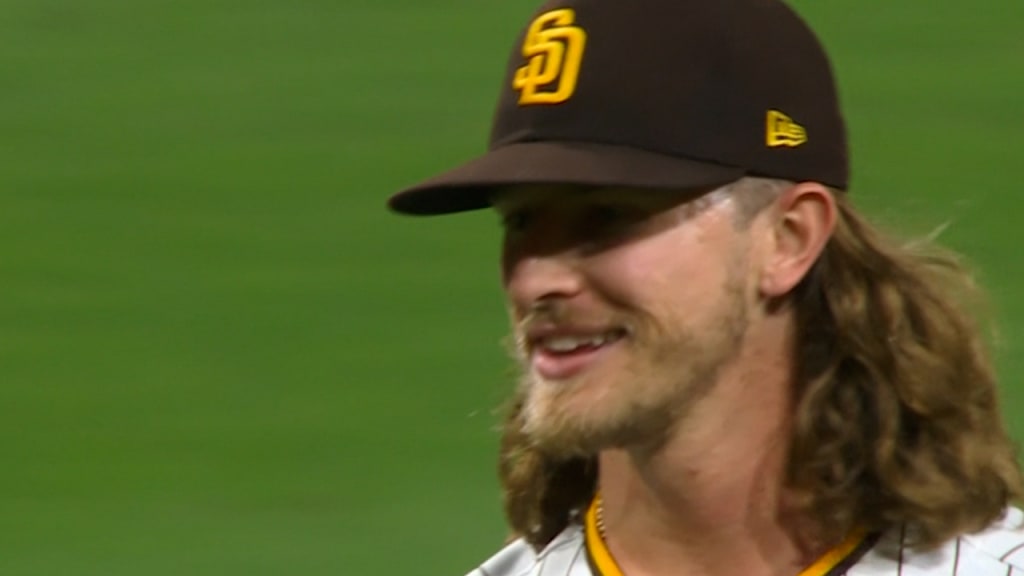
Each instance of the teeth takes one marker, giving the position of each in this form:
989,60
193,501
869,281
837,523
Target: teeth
570,343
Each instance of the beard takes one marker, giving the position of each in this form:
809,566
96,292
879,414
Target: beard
660,372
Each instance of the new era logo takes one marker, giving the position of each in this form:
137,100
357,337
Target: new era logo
554,52
783,131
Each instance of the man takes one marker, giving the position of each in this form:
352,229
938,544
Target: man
725,369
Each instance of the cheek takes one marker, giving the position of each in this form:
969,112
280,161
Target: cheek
645,277
682,274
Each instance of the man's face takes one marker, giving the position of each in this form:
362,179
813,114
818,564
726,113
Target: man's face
625,304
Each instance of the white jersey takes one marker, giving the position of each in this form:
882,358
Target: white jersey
997,551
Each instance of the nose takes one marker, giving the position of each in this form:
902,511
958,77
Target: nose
542,256
533,278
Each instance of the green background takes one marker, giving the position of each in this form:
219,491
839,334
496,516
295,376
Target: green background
221,355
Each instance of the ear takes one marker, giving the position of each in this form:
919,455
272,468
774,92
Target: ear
803,218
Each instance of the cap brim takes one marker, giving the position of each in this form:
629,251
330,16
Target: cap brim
469,186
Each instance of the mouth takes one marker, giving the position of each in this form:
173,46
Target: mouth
557,354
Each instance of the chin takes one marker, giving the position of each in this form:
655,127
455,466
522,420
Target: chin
583,423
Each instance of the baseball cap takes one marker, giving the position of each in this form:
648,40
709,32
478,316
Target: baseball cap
683,94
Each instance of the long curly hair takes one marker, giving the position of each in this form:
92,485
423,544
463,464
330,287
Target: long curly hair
897,420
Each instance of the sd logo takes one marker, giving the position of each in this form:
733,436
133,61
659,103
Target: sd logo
554,51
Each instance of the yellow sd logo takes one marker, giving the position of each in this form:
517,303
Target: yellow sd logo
554,51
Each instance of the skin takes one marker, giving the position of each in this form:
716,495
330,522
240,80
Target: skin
687,405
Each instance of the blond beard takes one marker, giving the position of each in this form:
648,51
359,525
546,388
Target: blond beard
670,372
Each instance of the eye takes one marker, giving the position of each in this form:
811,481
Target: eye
611,216
515,220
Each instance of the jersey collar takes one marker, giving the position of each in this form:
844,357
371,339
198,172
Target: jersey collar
834,562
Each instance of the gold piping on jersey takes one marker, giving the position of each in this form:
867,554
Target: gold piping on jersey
599,553
835,556
606,565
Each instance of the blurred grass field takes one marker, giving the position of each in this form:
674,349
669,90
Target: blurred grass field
221,355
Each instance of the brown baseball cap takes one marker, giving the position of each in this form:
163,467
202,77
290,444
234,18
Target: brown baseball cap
683,94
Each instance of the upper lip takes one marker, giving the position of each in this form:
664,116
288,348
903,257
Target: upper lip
536,334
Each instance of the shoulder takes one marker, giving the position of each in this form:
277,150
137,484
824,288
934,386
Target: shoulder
995,551
564,556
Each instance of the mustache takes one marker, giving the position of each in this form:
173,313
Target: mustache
550,312
539,314
547,312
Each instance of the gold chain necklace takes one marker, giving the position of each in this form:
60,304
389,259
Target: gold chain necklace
599,518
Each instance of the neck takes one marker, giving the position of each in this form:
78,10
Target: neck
712,498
